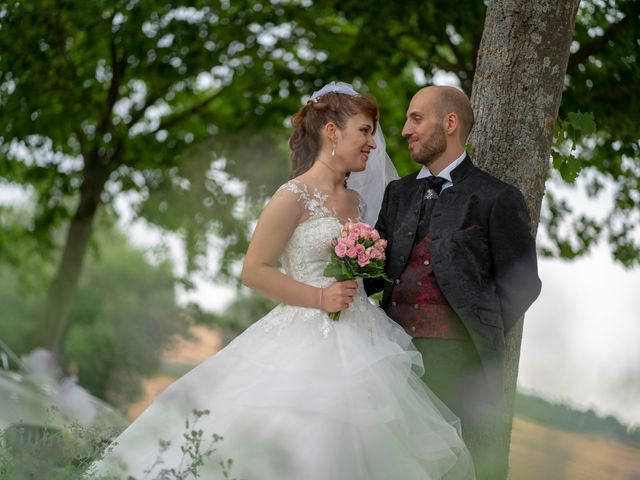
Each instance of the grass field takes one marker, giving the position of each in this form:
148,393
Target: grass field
540,452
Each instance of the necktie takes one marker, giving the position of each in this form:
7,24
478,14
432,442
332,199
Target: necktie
434,184
430,188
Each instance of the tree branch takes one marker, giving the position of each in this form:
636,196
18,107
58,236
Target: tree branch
118,68
151,99
171,120
611,93
598,43
460,64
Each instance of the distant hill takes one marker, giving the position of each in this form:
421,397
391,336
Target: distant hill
568,418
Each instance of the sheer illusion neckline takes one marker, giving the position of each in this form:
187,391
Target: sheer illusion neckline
321,196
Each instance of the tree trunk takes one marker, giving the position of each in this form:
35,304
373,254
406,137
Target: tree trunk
517,89
63,288
98,164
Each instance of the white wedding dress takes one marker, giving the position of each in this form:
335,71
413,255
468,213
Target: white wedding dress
298,396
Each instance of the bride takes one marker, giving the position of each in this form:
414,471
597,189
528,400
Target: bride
299,396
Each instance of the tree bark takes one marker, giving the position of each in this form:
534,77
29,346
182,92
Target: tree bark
516,94
63,288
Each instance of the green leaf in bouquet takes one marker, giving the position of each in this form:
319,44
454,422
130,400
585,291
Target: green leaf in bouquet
346,271
333,270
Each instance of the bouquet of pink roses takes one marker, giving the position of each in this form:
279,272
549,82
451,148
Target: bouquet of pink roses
357,252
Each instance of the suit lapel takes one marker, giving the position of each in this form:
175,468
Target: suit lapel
452,201
408,208
459,173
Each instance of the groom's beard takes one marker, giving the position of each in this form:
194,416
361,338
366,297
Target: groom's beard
432,149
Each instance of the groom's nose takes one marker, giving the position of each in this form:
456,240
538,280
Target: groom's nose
406,129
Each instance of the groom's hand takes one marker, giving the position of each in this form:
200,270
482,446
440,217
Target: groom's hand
338,296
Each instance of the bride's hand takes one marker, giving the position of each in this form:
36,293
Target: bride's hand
338,296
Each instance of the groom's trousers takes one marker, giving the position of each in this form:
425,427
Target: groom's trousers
454,373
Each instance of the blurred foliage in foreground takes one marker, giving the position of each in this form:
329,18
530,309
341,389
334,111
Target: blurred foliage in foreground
67,454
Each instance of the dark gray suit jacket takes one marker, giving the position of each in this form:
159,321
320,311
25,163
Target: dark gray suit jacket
483,254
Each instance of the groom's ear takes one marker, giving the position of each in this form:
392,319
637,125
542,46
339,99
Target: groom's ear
451,124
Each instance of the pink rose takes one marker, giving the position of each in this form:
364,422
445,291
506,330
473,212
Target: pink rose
352,238
363,260
340,249
360,249
380,244
352,252
374,253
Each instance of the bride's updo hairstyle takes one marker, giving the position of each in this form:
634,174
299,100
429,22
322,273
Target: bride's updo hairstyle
308,122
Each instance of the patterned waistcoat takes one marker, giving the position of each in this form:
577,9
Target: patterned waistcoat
418,304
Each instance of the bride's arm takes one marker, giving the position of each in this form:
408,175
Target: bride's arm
259,272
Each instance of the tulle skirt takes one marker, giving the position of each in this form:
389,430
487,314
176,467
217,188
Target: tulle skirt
298,396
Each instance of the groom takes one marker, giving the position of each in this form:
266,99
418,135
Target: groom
463,266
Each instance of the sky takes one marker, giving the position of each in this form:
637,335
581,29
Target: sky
581,337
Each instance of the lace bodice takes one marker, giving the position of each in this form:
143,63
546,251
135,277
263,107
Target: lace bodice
308,250
304,259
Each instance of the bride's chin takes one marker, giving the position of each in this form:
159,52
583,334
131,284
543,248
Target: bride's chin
359,166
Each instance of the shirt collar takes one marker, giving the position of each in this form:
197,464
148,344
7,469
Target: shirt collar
446,172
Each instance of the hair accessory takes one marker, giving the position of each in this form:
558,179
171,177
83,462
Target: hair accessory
334,87
370,183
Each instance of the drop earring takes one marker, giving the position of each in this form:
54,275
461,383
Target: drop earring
333,150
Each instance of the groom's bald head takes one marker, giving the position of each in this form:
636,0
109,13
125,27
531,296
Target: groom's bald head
447,100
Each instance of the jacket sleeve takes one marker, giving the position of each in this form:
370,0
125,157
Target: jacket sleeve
513,252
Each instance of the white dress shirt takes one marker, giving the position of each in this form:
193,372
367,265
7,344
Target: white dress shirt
445,173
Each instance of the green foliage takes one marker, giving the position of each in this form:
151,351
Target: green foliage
54,454
582,122
124,315
126,92
602,80
568,133
28,255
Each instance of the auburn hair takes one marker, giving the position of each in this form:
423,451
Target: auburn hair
308,122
